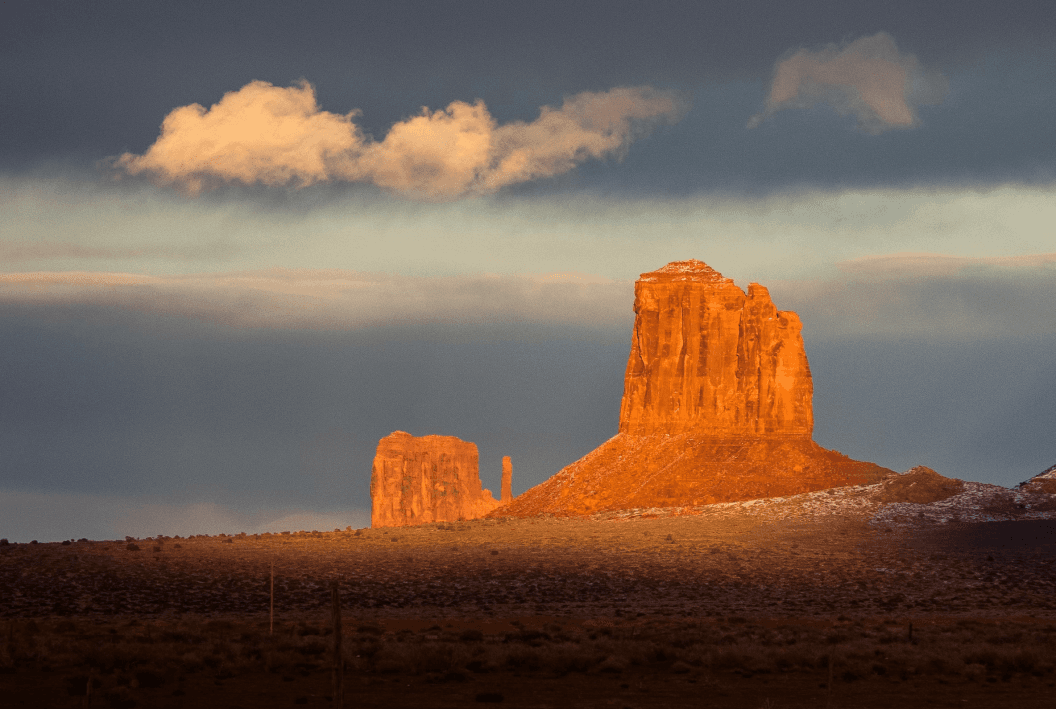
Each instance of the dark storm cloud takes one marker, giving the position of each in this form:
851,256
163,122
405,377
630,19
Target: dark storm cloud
979,410
938,361
108,402
992,127
85,81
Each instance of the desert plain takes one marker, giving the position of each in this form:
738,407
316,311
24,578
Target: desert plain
826,599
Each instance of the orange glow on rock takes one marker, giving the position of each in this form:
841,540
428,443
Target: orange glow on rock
709,359
507,479
420,479
717,407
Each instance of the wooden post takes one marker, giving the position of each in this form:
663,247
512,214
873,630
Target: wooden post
339,664
271,612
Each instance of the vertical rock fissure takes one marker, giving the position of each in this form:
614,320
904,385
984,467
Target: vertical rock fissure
680,369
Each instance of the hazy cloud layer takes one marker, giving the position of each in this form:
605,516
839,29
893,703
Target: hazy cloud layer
79,225
868,78
921,265
279,136
929,297
53,516
894,295
336,300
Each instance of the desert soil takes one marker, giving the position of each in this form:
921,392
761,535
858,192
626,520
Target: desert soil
668,610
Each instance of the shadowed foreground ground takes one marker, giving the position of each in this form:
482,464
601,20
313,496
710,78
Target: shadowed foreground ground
723,610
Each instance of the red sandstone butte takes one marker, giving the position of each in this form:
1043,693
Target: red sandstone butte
420,479
709,359
716,407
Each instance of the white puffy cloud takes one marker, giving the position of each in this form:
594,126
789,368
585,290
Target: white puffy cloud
279,136
868,78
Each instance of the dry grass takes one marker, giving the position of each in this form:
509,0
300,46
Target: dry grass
136,654
638,611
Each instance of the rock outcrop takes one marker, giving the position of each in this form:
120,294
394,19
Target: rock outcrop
921,486
423,479
1043,482
717,407
507,479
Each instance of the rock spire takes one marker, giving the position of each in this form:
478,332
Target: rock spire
507,479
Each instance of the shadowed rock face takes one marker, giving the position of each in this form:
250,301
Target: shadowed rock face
416,480
717,407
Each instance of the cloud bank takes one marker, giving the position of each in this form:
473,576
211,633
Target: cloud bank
928,297
335,299
279,136
868,78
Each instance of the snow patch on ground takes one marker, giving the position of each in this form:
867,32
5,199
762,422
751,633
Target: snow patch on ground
977,502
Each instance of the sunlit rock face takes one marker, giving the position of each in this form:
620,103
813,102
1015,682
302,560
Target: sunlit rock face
507,479
717,407
709,359
422,479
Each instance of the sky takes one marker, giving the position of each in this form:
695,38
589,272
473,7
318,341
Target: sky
242,242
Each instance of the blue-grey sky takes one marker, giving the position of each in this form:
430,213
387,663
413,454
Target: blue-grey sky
241,242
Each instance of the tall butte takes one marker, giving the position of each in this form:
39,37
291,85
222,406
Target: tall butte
716,407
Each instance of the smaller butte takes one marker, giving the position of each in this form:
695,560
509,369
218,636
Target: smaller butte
421,479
